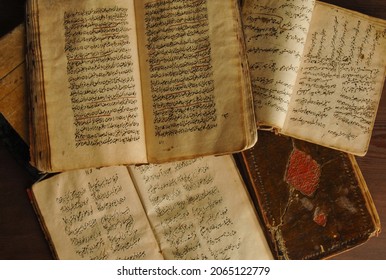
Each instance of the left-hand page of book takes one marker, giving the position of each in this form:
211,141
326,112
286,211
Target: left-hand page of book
94,214
275,35
84,75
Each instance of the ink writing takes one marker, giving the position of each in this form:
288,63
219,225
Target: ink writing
180,64
97,220
100,76
338,79
194,220
275,37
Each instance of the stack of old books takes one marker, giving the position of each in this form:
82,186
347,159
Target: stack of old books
202,129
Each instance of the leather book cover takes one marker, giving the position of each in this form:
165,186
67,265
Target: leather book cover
312,200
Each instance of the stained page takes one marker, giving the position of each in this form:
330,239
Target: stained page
199,209
275,35
90,78
196,87
95,214
340,83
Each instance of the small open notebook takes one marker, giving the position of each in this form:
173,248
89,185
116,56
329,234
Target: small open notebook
317,70
194,209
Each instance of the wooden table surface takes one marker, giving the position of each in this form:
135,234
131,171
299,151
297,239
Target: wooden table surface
20,233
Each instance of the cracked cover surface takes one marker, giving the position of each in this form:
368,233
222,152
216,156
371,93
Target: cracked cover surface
313,200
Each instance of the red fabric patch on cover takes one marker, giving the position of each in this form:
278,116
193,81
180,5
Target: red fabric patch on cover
320,217
303,172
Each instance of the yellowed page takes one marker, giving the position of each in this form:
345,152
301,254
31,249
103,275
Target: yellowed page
95,214
91,82
195,90
341,79
200,209
275,34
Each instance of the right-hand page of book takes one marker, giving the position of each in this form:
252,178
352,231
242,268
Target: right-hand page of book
340,81
275,34
195,80
200,209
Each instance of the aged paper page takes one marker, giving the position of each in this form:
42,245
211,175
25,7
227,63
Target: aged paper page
275,34
91,82
339,86
199,209
194,87
95,214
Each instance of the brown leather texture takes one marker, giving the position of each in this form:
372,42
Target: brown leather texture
312,200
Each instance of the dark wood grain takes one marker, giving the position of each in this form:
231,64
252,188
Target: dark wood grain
22,238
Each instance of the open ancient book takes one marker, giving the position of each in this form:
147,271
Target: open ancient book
131,81
193,209
317,70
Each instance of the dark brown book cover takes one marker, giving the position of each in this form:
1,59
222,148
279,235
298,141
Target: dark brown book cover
312,200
